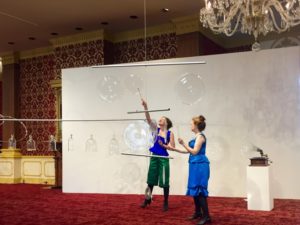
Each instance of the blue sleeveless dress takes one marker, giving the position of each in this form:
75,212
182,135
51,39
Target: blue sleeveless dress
157,149
199,171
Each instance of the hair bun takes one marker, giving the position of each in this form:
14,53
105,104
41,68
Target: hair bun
202,118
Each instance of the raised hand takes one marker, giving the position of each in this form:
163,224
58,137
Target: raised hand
144,104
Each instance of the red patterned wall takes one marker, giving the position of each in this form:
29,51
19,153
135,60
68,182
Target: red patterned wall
37,99
158,47
79,55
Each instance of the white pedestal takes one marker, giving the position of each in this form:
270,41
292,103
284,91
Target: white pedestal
259,195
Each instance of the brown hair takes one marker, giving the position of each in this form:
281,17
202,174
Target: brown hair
169,122
199,121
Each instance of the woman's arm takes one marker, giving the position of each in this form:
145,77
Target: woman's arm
172,148
199,141
147,114
172,140
183,151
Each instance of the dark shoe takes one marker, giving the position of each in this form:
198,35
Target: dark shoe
166,206
205,220
145,203
194,216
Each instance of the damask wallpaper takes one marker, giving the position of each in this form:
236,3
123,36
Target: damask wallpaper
37,98
78,55
158,47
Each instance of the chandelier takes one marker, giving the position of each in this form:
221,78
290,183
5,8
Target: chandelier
253,17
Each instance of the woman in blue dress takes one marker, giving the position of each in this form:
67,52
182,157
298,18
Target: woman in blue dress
199,170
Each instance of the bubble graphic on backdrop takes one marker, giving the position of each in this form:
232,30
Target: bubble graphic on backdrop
71,147
247,149
217,149
139,136
133,82
131,172
113,146
109,88
129,178
190,88
91,144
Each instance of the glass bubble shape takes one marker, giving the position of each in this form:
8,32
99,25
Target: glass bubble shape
109,88
190,88
134,83
113,146
256,47
24,131
139,136
154,130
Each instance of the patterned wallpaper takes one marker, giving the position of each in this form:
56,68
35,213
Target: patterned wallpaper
158,47
37,99
78,55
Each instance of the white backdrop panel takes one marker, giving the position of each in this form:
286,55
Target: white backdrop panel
247,98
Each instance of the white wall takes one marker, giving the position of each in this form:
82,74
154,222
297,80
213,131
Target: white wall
248,97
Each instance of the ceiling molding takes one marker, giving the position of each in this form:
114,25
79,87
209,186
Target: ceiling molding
36,52
187,24
77,38
10,58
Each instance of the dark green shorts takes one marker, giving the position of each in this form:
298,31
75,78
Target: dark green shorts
159,172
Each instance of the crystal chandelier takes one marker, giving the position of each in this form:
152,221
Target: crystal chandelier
253,17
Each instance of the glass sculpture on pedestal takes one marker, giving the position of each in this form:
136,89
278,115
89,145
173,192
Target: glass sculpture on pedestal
12,143
52,143
30,144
